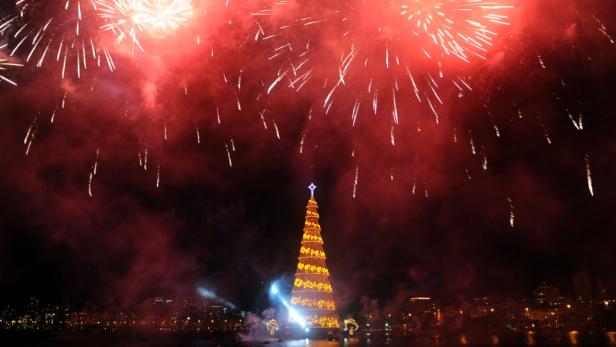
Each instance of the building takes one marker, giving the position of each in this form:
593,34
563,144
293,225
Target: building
547,296
421,315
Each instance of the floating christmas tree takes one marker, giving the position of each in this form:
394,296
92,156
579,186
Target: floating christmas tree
312,295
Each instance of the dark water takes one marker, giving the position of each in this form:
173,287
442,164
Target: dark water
165,341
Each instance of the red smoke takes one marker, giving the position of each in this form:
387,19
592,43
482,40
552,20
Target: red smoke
431,205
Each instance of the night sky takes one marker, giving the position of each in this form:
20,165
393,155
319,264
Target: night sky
427,215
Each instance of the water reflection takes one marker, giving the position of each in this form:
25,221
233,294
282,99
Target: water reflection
530,338
463,340
573,337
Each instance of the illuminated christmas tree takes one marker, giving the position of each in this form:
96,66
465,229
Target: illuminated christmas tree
312,295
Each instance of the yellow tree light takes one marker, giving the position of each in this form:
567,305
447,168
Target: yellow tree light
312,293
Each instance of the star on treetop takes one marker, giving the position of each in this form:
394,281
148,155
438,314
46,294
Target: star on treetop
312,187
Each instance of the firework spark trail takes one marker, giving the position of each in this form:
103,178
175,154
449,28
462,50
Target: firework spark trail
228,155
143,160
591,190
511,213
93,172
262,116
157,175
603,30
355,182
460,29
276,129
5,64
59,30
30,135
301,143
355,71
392,136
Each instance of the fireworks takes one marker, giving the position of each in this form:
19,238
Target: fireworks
68,32
410,71
460,28
61,31
165,15
5,64
382,53
129,18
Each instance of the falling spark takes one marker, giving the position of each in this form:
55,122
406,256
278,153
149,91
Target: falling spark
157,175
511,213
541,62
276,128
30,135
472,143
577,123
468,174
545,132
93,173
232,144
145,160
4,66
461,29
355,182
589,175
228,155
392,137
90,184
301,143
63,102
603,30
262,115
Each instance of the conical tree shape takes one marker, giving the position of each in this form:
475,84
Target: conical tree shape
312,294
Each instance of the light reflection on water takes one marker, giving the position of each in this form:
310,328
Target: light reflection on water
529,339
570,339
